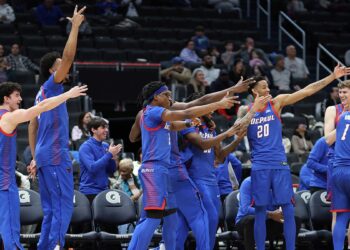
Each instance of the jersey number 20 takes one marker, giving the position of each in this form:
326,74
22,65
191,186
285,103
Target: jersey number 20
263,130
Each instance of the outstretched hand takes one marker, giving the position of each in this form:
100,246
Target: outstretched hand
77,91
78,16
228,101
242,85
340,71
261,101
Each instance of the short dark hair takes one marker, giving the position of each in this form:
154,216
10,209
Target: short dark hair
199,28
46,62
252,85
95,123
149,89
7,88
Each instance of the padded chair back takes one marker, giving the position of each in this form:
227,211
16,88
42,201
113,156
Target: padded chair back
301,210
22,77
30,207
82,209
319,210
113,207
231,209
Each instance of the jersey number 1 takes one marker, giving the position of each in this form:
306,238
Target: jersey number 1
263,130
345,131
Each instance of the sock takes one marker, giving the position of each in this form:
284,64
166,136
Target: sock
339,230
289,227
260,227
57,247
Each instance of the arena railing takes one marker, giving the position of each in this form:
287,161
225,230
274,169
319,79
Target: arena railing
267,12
319,63
282,18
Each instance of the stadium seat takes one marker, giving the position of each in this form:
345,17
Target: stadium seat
114,55
295,167
99,31
103,42
30,213
319,210
27,28
30,40
81,215
56,41
113,207
7,28
9,39
52,30
302,199
89,55
292,122
22,77
128,155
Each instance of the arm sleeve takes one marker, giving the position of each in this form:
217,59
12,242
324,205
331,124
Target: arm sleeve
87,158
236,165
316,156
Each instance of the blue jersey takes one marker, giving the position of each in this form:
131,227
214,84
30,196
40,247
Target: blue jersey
179,159
8,153
52,145
156,144
338,111
202,164
342,146
265,139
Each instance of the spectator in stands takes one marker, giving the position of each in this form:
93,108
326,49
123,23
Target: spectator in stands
280,75
222,82
127,181
96,159
7,14
201,41
177,73
333,98
4,66
228,175
129,7
48,13
210,73
81,130
228,57
304,178
17,62
107,8
246,217
198,81
297,66
301,142
215,54
256,59
248,47
224,5
84,28
238,70
286,143
318,163
188,54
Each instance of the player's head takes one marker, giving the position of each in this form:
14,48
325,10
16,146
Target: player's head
125,168
158,94
10,95
344,92
98,128
259,86
49,63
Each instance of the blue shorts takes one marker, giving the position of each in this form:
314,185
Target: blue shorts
341,189
156,187
9,217
279,181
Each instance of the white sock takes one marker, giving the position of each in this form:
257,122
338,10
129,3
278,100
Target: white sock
57,247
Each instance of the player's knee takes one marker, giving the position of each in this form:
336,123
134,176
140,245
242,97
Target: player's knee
159,214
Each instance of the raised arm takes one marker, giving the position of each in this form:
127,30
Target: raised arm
287,99
329,120
71,45
221,153
10,120
241,86
135,132
179,115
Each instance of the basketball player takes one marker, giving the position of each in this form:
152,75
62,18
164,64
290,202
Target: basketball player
49,140
156,147
331,119
341,171
10,117
270,170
